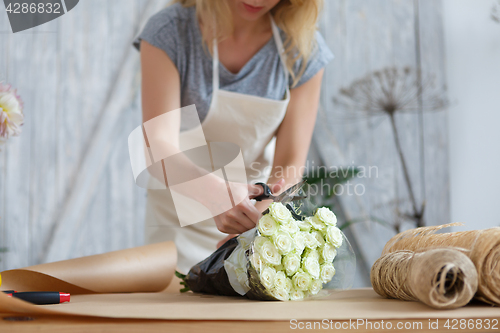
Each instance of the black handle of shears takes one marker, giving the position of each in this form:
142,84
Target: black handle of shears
268,194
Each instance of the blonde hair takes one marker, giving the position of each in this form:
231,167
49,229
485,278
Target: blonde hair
297,19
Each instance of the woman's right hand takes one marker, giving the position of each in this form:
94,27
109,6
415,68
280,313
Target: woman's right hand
243,216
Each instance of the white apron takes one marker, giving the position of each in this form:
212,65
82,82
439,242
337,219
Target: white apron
248,121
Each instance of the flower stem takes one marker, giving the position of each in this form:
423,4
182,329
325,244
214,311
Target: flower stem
416,212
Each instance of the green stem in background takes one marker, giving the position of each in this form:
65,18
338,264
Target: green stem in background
183,283
3,250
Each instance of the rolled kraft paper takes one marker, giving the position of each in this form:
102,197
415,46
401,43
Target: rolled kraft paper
440,278
481,246
147,268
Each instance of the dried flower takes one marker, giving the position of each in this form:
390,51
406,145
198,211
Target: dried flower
11,113
390,91
495,12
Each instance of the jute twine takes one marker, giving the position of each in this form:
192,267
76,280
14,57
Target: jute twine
481,246
440,278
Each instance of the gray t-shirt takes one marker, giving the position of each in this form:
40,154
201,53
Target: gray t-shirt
175,30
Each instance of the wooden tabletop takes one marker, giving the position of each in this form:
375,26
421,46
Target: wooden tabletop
54,324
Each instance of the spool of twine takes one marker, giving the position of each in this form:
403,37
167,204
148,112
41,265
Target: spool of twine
481,246
440,278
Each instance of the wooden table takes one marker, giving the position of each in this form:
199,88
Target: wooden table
54,324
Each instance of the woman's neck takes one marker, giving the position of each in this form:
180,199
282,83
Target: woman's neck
244,28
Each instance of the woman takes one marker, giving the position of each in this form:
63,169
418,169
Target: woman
223,56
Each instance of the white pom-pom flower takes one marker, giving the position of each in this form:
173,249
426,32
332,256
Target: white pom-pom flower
291,262
334,236
11,113
283,242
326,216
301,280
267,275
327,272
280,213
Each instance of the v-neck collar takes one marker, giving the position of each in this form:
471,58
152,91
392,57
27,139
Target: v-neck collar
248,64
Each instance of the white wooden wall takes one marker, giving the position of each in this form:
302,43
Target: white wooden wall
367,36
64,193
67,72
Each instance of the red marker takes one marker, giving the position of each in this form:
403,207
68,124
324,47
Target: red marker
42,297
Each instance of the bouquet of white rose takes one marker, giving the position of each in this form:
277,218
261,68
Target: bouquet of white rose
283,258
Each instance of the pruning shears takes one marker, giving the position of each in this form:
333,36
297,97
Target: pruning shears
294,193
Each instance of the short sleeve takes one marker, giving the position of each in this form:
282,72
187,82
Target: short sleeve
320,57
161,32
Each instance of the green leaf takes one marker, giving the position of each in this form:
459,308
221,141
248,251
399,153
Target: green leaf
185,289
180,276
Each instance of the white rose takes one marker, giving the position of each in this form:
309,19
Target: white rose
311,241
316,286
268,252
280,213
311,266
319,237
301,281
267,225
283,242
256,261
290,227
289,284
317,223
299,240
281,282
328,253
304,225
296,295
280,294
259,241
267,277
326,215
313,254
327,272
334,236
292,263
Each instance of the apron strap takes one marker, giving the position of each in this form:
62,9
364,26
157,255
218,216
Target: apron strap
281,49
281,52
215,67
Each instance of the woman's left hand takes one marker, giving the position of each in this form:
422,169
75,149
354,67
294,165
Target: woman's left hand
275,188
